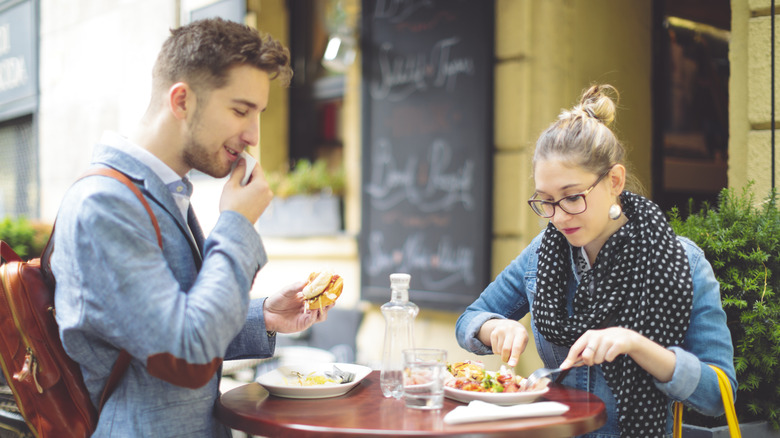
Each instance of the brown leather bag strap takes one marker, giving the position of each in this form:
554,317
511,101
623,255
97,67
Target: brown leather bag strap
7,253
123,361
113,173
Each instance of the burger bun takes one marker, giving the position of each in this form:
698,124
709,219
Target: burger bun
322,290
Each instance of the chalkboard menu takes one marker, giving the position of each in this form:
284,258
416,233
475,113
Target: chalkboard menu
427,148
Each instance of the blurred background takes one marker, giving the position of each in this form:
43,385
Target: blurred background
404,141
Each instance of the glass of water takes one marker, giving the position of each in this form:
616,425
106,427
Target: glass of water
424,371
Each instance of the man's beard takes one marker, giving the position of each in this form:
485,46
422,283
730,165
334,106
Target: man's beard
197,156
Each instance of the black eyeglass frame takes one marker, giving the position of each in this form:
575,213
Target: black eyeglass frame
540,209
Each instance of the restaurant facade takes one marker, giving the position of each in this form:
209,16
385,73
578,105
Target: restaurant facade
695,114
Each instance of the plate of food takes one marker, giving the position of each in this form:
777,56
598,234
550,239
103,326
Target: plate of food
312,380
470,381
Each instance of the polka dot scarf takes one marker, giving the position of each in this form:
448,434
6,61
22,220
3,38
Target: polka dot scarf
641,280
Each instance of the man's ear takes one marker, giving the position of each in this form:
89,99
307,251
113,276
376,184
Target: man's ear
181,100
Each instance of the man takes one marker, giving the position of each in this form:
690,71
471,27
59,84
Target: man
180,310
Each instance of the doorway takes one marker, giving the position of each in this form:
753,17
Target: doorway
690,102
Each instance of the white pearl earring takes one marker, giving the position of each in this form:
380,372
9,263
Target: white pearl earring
615,211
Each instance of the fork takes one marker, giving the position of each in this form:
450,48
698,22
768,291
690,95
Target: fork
541,373
345,376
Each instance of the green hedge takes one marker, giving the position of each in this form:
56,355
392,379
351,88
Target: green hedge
741,239
26,238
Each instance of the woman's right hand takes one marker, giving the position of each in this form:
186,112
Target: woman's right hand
508,338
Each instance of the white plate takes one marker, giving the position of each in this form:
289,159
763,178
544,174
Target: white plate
498,398
274,381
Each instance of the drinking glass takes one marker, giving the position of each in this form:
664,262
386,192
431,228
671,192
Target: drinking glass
424,373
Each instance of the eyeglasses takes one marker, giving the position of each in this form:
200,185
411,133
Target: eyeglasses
574,204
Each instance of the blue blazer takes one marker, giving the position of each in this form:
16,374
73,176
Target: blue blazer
178,311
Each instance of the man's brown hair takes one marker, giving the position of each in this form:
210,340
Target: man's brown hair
202,52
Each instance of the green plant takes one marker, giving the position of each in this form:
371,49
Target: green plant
307,178
742,242
26,238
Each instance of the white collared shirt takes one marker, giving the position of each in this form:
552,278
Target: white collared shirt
170,178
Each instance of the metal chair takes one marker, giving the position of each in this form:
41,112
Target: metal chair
12,424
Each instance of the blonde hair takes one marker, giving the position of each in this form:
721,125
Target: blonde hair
582,136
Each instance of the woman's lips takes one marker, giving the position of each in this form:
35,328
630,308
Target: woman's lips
569,230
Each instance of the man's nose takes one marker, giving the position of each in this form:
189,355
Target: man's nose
251,134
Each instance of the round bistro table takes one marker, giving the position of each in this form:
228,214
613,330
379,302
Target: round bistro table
363,411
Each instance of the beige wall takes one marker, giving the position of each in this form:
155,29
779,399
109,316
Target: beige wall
272,16
749,97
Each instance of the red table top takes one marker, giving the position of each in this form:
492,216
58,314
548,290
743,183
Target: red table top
363,411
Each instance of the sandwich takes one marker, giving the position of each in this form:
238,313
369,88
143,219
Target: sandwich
322,289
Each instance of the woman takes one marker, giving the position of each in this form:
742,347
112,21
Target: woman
608,285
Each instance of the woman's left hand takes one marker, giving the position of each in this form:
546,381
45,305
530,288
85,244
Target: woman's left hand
595,347
598,346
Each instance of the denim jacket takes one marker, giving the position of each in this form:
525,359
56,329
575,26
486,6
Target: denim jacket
707,341
178,311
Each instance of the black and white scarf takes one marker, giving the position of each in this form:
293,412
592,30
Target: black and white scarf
641,281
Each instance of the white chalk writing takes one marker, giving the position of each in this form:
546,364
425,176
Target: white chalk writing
428,186
445,266
402,75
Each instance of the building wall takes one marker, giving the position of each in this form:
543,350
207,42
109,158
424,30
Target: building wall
272,17
95,74
750,145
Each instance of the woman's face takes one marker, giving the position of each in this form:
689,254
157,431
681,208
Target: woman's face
556,180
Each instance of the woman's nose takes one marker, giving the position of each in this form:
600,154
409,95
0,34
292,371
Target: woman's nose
559,215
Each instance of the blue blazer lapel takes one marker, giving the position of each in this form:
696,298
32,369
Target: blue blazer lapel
156,191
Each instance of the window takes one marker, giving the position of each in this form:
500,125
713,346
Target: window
19,182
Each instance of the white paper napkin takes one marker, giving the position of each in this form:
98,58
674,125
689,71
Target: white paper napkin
250,165
481,411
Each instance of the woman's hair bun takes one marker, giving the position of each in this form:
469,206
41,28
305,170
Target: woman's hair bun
597,102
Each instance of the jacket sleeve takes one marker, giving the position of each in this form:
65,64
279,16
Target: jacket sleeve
253,340
129,293
504,298
708,341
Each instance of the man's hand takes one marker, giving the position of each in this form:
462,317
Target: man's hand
284,311
507,338
250,200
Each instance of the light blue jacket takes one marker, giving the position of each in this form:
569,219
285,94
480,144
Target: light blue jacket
708,340
178,312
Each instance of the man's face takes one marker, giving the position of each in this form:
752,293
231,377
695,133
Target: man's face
226,121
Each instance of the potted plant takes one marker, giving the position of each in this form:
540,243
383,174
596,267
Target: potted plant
307,200
741,239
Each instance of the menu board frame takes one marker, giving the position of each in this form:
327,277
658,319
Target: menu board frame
427,149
